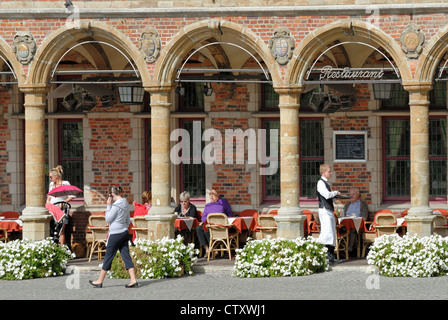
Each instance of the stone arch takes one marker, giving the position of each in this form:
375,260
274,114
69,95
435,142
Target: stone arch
316,40
431,56
187,38
8,54
58,42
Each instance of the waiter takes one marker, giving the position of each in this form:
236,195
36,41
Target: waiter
326,211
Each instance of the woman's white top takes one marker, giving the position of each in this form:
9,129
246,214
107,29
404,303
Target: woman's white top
53,200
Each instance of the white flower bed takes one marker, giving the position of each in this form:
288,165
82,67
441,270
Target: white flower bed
409,256
158,259
26,259
280,257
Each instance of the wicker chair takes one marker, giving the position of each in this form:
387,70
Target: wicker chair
341,242
385,223
368,237
141,228
221,240
89,241
440,225
3,235
100,229
267,226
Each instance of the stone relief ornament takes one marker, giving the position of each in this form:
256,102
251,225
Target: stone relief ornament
150,44
24,47
412,40
282,45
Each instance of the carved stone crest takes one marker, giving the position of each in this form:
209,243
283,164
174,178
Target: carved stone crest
24,47
150,44
282,45
412,40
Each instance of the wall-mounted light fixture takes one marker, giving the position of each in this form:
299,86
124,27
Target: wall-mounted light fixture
382,91
131,94
180,90
208,90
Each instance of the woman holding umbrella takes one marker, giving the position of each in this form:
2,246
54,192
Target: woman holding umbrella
56,181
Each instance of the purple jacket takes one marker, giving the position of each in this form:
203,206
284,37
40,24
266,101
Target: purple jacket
220,206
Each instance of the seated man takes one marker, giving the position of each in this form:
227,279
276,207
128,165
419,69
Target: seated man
355,207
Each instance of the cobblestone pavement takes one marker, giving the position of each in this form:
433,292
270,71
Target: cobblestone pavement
343,284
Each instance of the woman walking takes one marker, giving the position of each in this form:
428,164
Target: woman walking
117,215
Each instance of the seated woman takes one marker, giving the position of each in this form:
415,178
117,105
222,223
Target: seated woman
142,209
185,207
146,199
183,210
216,205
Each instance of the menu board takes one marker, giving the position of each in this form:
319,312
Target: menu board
349,146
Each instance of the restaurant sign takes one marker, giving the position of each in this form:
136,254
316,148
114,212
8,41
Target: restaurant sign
330,73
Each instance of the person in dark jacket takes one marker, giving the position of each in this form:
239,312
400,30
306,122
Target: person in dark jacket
185,207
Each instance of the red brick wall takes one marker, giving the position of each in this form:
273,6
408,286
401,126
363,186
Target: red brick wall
109,143
232,179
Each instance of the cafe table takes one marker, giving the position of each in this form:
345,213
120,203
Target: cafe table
186,223
243,223
11,225
353,222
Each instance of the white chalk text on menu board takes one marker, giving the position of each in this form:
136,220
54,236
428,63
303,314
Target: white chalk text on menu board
350,146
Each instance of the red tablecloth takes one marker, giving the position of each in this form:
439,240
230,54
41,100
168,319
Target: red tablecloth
243,223
254,225
349,223
186,223
10,225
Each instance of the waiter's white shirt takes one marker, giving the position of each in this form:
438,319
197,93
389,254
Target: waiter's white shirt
327,221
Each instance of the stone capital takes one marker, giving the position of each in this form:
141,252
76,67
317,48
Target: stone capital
160,88
289,89
40,88
417,86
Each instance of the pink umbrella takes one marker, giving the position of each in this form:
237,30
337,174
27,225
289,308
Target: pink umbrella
64,191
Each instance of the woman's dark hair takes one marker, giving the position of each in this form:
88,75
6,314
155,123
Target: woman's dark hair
117,190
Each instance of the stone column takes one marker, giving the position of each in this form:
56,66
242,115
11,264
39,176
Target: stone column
420,218
35,217
160,217
290,218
